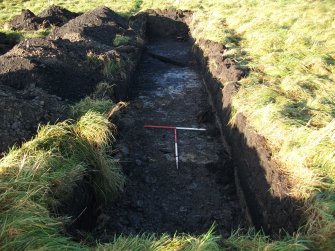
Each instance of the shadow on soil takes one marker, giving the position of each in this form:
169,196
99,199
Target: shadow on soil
262,188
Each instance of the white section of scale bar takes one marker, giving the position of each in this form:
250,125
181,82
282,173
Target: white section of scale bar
190,128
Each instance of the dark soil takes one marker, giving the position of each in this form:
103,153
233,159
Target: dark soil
22,111
52,16
68,68
71,61
57,16
7,42
27,20
100,25
158,197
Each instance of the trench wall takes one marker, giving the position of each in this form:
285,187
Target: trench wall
263,189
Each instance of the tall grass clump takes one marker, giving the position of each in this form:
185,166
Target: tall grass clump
120,40
38,176
146,242
113,67
90,104
256,240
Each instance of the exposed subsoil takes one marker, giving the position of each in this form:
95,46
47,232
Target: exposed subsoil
158,197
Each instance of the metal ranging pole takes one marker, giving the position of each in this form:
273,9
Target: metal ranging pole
175,128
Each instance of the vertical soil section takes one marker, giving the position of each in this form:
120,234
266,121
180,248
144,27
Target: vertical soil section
158,197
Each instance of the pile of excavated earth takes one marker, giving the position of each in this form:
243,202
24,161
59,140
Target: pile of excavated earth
52,16
40,77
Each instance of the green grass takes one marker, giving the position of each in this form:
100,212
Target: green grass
38,176
208,241
109,66
253,240
120,40
288,96
17,36
113,67
9,9
89,104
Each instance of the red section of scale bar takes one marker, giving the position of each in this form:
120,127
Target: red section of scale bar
161,127
165,127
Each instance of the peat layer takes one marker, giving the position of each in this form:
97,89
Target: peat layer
174,85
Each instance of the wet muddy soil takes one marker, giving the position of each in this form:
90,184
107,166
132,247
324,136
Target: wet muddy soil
158,197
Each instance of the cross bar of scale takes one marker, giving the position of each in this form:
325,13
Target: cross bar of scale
175,128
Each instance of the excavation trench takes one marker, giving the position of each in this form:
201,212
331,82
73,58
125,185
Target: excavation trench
158,197
231,186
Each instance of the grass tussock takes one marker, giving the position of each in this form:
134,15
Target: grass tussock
253,240
36,177
110,67
208,241
120,40
89,104
113,67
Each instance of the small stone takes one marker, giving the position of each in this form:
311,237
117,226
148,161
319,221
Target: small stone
139,203
124,150
182,209
134,220
15,125
124,221
192,186
150,180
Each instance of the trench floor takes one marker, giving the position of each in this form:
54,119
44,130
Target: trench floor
158,197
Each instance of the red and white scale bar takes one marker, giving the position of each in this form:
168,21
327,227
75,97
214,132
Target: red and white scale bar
175,128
